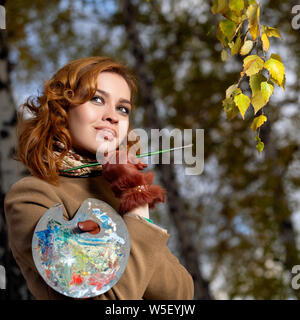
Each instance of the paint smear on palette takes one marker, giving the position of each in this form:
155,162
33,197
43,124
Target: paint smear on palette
79,264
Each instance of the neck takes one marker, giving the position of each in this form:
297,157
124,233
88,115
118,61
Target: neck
85,153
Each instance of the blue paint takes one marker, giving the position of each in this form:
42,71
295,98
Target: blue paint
105,220
44,237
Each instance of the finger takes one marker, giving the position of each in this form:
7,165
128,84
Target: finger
141,165
133,159
89,226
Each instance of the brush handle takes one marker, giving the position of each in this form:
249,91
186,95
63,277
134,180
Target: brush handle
148,154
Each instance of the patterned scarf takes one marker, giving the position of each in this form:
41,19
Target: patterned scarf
74,159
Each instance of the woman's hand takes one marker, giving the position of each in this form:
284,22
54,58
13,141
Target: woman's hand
128,183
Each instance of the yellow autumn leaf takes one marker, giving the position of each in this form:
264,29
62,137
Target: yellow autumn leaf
258,101
271,32
276,57
252,65
230,90
246,47
258,122
228,28
253,18
236,5
259,144
230,108
235,46
242,102
255,82
282,84
265,42
221,37
276,69
266,90
261,91
219,6
224,55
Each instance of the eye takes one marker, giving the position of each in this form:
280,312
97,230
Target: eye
97,97
127,110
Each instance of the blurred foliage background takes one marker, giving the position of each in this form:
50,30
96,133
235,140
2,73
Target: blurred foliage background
236,226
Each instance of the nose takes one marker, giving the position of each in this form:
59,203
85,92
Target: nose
110,115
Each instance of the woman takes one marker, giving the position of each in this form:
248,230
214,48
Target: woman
85,110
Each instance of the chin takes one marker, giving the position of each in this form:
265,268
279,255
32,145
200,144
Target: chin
106,146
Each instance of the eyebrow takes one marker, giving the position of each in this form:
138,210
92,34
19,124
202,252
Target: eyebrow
107,95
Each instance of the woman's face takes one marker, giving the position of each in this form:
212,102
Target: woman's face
101,124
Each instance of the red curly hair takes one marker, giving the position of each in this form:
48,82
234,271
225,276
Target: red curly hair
74,84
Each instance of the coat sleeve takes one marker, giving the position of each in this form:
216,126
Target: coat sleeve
147,242
27,201
170,281
24,204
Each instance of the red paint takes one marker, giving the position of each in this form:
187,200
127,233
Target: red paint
116,263
76,279
94,281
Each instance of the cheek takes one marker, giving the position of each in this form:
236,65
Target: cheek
123,128
82,116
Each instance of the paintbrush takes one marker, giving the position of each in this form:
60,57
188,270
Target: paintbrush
148,154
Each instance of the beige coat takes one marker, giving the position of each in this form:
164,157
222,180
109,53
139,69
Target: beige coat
152,271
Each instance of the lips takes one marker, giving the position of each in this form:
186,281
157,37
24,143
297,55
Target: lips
108,133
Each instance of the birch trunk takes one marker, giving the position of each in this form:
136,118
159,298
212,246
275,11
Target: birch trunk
10,170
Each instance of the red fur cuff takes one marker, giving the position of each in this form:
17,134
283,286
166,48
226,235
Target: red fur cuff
137,190
132,186
140,195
